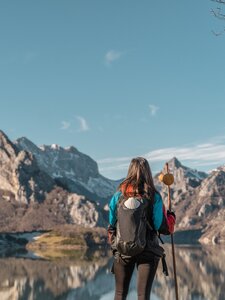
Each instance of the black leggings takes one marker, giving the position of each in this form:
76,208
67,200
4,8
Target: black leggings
146,273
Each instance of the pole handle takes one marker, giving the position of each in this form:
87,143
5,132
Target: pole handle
169,198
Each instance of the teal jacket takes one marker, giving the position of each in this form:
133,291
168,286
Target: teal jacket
161,221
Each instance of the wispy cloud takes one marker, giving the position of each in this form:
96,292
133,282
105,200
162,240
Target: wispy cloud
111,56
200,155
114,160
65,125
153,109
83,125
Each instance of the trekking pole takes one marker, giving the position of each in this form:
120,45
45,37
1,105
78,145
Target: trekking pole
168,179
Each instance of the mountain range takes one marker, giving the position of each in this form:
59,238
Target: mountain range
48,185
198,199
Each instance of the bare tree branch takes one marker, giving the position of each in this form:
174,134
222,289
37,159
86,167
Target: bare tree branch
218,13
219,1
218,33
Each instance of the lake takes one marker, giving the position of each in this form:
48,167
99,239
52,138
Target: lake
85,276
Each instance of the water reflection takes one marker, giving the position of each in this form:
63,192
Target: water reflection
201,274
85,276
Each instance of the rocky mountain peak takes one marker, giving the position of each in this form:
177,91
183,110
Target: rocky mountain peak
19,173
52,147
71,169
184,175
174,163
60,162
220,168
214,186
72,149
24,143
186,180
7,146
55,147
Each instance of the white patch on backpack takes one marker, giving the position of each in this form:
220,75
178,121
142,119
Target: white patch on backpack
132,203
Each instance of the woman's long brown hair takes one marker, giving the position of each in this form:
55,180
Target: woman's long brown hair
139,177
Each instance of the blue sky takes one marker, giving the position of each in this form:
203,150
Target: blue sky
116,79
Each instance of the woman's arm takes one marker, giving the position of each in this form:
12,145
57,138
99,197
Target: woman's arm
113,208
163,220
113,215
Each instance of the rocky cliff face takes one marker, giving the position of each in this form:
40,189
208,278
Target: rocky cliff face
20,176
59,208
31,180
185,180
199,200
211,212
71,169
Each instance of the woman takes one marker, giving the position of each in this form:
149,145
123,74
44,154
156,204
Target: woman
136,187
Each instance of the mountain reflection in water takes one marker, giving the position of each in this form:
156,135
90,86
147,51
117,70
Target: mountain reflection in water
201,276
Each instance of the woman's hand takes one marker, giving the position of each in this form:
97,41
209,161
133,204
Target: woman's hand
111,233
169,212
171,220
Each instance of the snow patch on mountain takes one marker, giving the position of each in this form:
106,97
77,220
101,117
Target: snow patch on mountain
74,167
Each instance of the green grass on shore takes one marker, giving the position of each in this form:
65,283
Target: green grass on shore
62,241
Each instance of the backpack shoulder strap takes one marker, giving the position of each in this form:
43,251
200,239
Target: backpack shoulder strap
150,226
120,201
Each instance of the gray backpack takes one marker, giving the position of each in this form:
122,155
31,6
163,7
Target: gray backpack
131,225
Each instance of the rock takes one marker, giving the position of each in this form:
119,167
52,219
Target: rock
213,186
185,179
84,212
205,210
198,200
20,175
72,170
106,207
214,240
186,222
